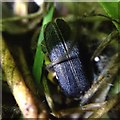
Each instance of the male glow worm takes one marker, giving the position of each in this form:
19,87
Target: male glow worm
69,70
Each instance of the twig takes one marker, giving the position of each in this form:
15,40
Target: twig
104,43
106,107
25,70
15,80
17,18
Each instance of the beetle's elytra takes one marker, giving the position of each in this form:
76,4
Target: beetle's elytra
70,73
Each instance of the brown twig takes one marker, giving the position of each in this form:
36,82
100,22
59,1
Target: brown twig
106,107
15,80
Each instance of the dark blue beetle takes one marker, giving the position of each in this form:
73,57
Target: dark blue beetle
70,69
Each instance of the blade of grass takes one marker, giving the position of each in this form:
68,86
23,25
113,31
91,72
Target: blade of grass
39,56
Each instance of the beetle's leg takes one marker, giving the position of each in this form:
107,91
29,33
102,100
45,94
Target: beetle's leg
51,76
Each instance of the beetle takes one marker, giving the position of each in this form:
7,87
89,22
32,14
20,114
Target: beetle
65,59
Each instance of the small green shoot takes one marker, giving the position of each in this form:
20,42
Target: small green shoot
39,56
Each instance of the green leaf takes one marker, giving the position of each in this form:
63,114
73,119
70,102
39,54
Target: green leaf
113,10
116,86
39,56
